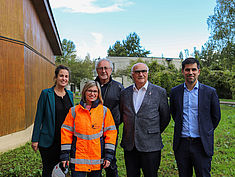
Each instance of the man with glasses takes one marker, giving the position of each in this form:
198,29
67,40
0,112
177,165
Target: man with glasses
111,91
145,113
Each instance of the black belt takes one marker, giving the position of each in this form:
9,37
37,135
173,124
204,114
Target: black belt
191,138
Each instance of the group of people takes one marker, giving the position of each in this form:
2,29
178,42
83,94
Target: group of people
84,137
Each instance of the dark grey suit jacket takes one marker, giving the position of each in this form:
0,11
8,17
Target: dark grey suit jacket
143,129
208,115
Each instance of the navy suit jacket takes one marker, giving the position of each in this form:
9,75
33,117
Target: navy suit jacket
208,115
44,124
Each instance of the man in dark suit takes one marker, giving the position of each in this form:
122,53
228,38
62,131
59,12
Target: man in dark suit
196,111
145,113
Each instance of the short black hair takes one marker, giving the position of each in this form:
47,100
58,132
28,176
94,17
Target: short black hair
190,60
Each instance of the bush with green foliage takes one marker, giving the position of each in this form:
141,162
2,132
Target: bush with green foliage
169,77
222,81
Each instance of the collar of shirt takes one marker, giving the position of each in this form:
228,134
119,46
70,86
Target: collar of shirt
138,96
195,87
144,87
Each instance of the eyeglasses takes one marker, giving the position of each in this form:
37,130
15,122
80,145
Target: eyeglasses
140,71
103,68
94,91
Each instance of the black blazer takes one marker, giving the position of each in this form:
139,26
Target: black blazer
208,115
143,129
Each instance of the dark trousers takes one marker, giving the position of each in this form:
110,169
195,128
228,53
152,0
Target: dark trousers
84,174
148,161
50,157
112,170
191,154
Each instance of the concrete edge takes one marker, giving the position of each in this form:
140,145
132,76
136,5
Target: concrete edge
15,140
227,102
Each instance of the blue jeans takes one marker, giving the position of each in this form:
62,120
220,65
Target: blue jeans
84,174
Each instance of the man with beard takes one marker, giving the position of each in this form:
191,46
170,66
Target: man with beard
196,111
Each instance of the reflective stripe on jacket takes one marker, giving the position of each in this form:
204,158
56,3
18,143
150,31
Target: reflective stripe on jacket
87,135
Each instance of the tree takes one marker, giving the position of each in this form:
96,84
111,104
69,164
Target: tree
79,68
130,47
186,52
222,24
219,51
68,52
206,54
196,53
228,54
181,55
117,50
222,81
164,76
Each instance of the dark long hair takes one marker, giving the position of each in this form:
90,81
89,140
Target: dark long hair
57,70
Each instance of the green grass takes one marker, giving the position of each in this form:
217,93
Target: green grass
229,100
223,163
20,162
24,162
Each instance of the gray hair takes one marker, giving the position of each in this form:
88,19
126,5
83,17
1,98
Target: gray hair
138,64
103,59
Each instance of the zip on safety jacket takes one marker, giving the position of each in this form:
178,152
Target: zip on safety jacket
88,136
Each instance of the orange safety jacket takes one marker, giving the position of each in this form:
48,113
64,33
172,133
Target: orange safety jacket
88,136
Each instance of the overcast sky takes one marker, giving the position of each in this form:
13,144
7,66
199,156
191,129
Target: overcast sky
165,27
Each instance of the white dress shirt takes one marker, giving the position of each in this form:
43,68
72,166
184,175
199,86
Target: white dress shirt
138,96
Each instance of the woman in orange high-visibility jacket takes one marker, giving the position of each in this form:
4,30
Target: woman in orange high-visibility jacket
88,134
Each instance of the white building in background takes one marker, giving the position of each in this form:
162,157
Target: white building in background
123,62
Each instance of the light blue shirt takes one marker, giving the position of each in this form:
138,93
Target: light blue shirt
190,112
